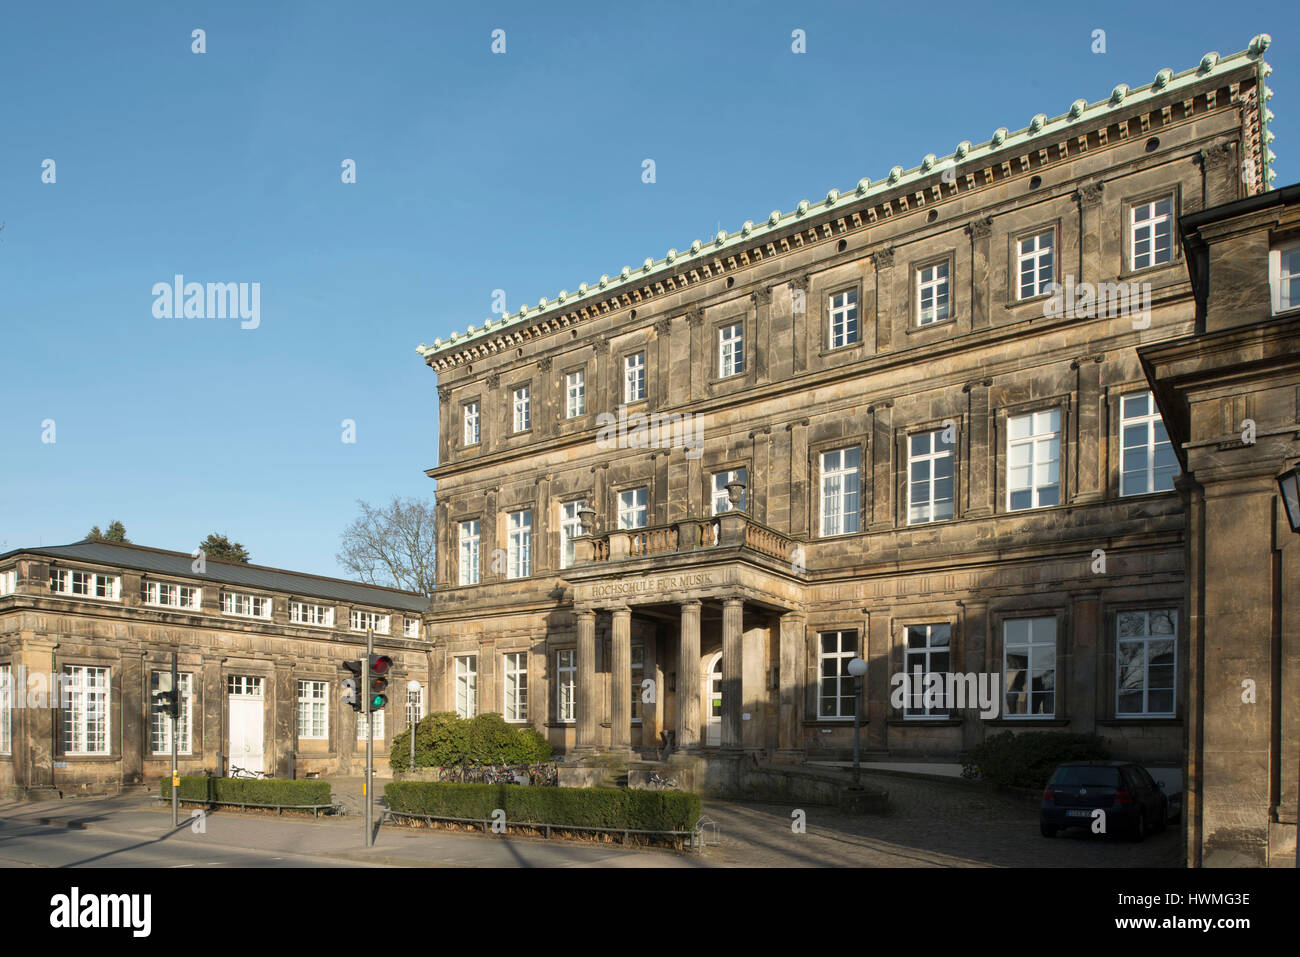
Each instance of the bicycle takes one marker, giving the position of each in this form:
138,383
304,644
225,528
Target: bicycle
657,783
238,772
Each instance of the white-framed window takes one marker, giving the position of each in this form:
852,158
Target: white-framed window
85,709
467,686
1036,265
928,651
519,546
570,528
721,502
575,391
633,509
638,675
835,697
1147,460
1034,460
8,582
516,686
171,595
932,294
523,416
471,416
1151,233
309,613
313,710
6,709
634,378
843,312
360,620
1146,652
467,573
1284,276
566,684
377,718
244,686
731,350
160,727
1029,667
72,581
414,706
410,628
929,478
245,606
841,483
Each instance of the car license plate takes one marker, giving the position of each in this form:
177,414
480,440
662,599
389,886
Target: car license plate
1077,812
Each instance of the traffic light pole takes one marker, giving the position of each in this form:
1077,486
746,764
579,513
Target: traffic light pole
370,739
175,720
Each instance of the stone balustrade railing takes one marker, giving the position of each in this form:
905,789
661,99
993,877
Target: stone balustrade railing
733,528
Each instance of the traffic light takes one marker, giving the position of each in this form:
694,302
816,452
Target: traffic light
379,667
352,686
168,703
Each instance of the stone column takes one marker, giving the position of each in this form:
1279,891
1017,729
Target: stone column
688,678
733,616
620,680
789,739
586,730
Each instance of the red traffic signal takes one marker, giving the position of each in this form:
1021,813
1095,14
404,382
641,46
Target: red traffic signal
379,664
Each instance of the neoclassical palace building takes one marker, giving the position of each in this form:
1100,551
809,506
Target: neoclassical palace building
906,422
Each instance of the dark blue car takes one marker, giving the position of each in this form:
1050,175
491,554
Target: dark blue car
1132,801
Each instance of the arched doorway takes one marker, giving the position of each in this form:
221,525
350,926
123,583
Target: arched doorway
713,702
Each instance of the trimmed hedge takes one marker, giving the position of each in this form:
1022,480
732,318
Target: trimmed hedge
1027,760
573,807
444,739
247,791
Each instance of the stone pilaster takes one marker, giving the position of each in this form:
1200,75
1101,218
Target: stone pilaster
979,231
882,482
883,259
792,641
975,452
1088,467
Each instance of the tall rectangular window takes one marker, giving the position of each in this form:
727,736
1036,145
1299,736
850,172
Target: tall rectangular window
1029,667
6,709
360,620
160,730
1284,276
928,651
566,684
843,312
467,686
1036,265
835,695
85,710
471,423
516,686
414,706
1147,461
575,389
721,500
1145,655
731,350
570,528
841,483
1034,460
1151,233
523,416
932,294
633,508
519,551
8,582
469,543
638,675
930,478
634,378
377,719
313,710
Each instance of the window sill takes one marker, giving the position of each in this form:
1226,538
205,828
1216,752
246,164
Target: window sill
1131,272
941,324
833,722
925,722
1044,722
561,724
856,346
1141,721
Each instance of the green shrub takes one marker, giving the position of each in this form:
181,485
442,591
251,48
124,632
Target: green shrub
1027,760
445,739
247,790
575,807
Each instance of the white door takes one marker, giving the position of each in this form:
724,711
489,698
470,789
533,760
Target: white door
246,732
713,701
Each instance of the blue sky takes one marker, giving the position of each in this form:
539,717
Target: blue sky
475,171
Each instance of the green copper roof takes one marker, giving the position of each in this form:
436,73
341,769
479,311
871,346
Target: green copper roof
1165,82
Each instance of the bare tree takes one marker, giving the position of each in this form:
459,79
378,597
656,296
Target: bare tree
394,545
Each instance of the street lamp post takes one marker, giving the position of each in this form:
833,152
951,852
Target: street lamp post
413,720
857,668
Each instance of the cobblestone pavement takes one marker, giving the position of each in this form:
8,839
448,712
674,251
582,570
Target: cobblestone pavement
931,824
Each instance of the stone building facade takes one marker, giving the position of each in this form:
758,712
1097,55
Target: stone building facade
949,456
86,635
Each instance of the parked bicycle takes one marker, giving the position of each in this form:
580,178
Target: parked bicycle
237,772
657,783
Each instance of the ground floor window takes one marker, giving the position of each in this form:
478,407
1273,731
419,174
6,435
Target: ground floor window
516,686
6,710
313,710
85,710
638,675
414,706
377,719
835,651
160,731
566,684
928,651
467,686
1029,667
1145,655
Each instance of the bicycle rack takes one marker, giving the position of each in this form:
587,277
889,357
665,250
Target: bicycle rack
705,833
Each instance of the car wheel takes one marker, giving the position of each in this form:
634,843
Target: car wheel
1047,830
1139,828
